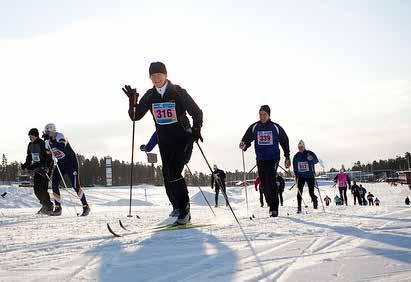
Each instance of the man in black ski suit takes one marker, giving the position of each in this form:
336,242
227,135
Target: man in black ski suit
218,181
168,104
39,161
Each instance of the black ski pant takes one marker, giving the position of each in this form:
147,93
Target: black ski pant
217,192
267,171
41,184
357,197
370,202
363,200
174,156
311,185
343,195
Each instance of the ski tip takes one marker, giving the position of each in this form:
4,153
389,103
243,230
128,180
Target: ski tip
137,216
121,225
111,231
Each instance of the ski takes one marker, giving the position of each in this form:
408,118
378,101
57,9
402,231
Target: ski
166,227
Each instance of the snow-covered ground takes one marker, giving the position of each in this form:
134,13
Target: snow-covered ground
346,244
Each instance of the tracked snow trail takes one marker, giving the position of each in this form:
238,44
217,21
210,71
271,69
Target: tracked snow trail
346,244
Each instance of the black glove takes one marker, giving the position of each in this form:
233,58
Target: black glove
131,94
45,136
23,166
197,134
143,148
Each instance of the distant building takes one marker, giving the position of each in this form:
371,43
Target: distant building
405,176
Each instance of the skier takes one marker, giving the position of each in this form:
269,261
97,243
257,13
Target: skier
303,164
377,202
267,136
363,192
407,201
257,186
169,191
356,193
370,198
343,181
39,161
168,104
281,186
67,164
337,201
220,175
327,200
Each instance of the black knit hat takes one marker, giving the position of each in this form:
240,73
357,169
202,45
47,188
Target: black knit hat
34,132
157,67
266,109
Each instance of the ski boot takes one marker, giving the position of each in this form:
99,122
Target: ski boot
273,213
299,210
262,205
57,211
86,210
184,217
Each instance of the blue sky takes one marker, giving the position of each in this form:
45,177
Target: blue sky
335,73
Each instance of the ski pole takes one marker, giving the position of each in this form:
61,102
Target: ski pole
251,168
61,175
235,216
201,190
245,182
132,162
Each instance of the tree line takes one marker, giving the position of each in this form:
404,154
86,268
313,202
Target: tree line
93,171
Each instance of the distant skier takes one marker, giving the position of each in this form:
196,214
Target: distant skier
258,187
40,162
68,165
355,190
337,201
304,168
363,192
152,143
267,137
343,182
327,200
168,104
220,176
370,198
281,185
377,201
407,201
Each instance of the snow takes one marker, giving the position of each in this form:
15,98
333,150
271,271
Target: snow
351,243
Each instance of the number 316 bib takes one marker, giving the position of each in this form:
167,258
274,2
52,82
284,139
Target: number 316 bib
165,113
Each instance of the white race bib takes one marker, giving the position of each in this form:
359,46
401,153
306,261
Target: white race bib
58,153
303,167
165,113
35,157
265,137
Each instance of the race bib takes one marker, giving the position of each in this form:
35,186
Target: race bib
303,167
165,113
58,153
265,137
35,157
